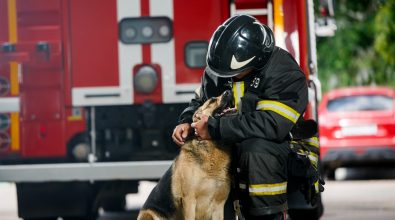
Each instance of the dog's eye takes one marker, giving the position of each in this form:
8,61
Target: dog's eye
212,100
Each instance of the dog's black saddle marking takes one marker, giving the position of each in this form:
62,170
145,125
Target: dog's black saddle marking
161,198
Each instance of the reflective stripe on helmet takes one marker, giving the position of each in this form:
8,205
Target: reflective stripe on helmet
279,108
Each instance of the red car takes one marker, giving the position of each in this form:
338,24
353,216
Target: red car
357,127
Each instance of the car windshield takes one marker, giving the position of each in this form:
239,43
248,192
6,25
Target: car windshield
361,103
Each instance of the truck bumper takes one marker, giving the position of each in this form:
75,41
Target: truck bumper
136,170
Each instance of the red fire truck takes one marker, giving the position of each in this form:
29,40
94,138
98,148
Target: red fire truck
90,91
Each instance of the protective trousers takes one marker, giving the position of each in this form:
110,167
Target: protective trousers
262,178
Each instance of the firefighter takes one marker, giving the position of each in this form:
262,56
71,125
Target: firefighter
270,92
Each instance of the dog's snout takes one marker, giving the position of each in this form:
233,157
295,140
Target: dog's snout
227,93
227,98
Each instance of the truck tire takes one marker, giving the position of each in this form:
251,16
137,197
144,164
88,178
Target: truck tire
114,203
66,199
112,194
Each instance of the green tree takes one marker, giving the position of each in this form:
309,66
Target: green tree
384,42
362,50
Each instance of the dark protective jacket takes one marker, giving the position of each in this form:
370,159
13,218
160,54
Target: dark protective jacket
281,96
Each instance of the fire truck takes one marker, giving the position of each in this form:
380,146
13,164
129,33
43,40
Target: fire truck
90,91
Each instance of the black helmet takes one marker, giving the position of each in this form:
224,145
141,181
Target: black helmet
241,43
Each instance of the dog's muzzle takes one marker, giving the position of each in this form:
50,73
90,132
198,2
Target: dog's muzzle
226,105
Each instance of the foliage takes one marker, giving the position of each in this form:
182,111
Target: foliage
362,52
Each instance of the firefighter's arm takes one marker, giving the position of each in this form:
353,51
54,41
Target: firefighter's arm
208,88
274,116
186,115
194,104
183,129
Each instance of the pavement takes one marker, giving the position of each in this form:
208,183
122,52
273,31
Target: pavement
352,197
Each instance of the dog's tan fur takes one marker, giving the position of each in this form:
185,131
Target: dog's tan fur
201,177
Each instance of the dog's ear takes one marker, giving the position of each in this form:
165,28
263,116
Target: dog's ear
304,129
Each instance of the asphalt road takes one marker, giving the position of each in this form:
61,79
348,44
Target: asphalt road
359,194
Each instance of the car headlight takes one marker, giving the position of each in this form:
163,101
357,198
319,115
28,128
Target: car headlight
146,79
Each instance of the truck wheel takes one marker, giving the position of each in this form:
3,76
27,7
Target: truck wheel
112,194
114,203
78,148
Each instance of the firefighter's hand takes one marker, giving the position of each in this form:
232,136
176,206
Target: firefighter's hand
180,133
201,128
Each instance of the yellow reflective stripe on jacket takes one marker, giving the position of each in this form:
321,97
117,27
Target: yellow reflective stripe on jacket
268,189
312,142
279,108
313,158
316,187
238,92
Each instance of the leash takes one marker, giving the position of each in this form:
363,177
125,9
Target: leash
236,196
236,206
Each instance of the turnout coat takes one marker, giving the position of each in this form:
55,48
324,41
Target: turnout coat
269,101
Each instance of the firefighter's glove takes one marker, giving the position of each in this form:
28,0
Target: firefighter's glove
298,165
304,129
304,176
321,183
312,186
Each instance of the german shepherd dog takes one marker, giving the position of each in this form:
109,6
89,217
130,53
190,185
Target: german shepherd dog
197,184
